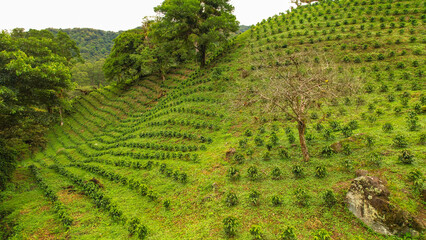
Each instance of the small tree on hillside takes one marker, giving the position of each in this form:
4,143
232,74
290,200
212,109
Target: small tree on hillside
300,83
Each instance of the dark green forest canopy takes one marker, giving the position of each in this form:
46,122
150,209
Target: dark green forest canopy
94,44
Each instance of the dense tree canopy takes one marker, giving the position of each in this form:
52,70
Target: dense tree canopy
123,61
199,24
34,77
94,44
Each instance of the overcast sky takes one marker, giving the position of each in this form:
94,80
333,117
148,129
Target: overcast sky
110,15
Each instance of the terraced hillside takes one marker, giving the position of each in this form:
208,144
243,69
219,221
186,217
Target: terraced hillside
172,160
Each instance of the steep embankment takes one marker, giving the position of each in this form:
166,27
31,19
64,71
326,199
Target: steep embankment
126,154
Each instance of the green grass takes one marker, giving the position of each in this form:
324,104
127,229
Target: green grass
207,104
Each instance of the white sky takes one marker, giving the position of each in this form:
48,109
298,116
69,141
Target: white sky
110,15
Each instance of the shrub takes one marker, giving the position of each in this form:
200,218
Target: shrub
387,127
254,197
288,234
253,172
283,154
369,141
230,225
353,124
256,232
239,158
320,172
416,177
248,133
399,141
276,200
231,199
233,174
375,160
322,234
346,149
274,139
302,198
258,141
412,121
327,151
347,131
406,157
319,127
291,138
297,171
329,199
266,156
328,134
276,173
166,204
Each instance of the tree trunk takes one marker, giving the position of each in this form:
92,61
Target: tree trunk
60,114
301,126
203,50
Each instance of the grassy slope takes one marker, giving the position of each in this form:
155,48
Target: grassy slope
198,207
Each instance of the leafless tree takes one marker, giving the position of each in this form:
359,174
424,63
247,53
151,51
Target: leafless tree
299,82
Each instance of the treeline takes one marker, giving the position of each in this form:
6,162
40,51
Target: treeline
35,77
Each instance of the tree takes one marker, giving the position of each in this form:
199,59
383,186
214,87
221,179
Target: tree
123,61
34,78
300,2
196,24
301,82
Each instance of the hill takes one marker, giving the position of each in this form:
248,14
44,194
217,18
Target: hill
178,157
94,44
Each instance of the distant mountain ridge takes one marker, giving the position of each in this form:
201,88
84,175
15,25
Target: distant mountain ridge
94,44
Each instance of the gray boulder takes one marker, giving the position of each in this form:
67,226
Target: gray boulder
368,200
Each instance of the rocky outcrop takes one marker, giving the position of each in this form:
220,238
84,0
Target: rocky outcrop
368,199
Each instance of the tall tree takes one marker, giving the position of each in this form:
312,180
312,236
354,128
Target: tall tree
34,75
198,24
122,63
298,83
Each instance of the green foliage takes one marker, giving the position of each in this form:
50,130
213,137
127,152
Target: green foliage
122,63
416,177
283,154
233,174
254,198
320,172
195,24
230,225
8,157
276,200
287,234
94,44
138,229
375,160
327,151
399,141
329,199
322,234
253,173
239,158
276,173
387,127
256,232
406,157
302,197
231,199
297,171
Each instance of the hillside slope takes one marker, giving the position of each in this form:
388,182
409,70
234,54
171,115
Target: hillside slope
155,155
